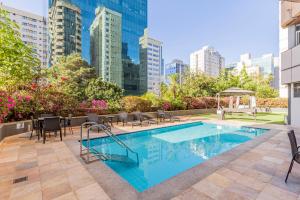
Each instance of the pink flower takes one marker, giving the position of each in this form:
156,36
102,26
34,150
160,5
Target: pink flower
20,98
27,98
166,106
99,104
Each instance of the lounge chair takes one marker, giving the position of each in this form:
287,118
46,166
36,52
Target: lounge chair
138,119
122,117
93,117
295,152
150,119
162,115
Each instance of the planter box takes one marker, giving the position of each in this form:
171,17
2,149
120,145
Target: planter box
14,128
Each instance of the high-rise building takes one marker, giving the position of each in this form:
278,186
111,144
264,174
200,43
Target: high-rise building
176,67
33,31
290,56
259,66
134,22
153,49
106,45
207,60
64,29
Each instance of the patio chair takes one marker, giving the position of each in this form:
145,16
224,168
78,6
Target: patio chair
51,124
295,152
34,128
69,123
122,117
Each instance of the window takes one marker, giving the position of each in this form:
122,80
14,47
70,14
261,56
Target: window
296,89
298,34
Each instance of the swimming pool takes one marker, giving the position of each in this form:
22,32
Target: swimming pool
166,152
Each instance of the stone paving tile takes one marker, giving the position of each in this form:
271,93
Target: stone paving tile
55,173
93,191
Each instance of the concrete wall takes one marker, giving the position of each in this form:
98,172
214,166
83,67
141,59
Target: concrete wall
14,128
295,110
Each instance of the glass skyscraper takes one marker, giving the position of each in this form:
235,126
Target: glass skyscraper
134,21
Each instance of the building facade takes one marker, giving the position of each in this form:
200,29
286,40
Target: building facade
64,30
176,67
153,49
106,45
265,66
33,31
134,22
290,57
207,60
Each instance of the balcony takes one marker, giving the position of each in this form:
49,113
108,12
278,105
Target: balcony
290,62
290,12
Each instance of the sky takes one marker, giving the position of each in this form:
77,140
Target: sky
232,27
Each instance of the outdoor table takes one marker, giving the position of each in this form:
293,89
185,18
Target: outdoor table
41,121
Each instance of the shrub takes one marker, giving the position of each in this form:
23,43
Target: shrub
272,102
134,103
166,105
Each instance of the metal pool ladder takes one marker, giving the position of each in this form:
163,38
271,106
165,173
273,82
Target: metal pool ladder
90,154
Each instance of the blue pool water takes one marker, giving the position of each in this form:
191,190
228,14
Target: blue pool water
166,152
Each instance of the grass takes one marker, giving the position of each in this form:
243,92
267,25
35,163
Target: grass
264,118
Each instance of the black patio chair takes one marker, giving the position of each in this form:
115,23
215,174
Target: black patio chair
68,122
295,152
122,117
51,124
34,127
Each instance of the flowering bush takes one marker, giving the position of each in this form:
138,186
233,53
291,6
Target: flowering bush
99,104
166,106
14,106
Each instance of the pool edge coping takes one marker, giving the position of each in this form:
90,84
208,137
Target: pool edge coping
118,188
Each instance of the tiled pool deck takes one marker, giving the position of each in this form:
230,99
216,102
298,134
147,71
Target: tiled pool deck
55,172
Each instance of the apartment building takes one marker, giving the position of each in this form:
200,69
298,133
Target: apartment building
64,29
33,31
176,67
153,49
207,60
106,45
290,56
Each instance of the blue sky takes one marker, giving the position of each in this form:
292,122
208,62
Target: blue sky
233,27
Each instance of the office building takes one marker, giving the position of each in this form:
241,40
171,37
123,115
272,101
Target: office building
33,31
265,66
134,22
207,60
176,67
106,45
290,57
64,30
153,49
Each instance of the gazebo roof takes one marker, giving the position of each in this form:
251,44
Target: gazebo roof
234,91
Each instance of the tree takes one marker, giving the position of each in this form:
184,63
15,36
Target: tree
101,90
72,75
18,62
